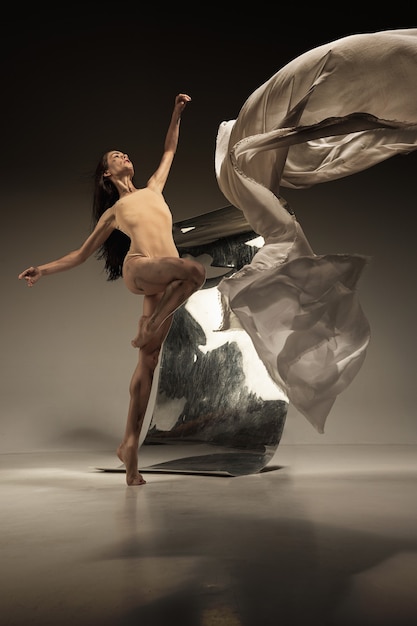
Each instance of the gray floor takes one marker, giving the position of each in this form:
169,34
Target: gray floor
326,536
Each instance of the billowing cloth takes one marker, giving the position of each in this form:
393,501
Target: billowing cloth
331,112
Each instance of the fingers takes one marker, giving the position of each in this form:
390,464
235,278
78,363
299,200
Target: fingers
30,276
27,273
183,98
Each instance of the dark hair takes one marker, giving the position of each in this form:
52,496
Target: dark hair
114,249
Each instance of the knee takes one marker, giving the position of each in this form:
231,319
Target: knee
197,274
150,359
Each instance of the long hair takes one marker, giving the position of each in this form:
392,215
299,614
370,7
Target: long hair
115,248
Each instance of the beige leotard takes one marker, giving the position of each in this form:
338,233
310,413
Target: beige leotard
145,217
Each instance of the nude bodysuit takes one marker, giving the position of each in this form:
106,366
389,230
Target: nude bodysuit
145,217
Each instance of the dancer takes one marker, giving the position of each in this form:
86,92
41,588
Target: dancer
133,234
333,111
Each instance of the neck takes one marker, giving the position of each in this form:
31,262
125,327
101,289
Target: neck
124,186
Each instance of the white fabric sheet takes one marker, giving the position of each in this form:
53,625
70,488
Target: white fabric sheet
331,112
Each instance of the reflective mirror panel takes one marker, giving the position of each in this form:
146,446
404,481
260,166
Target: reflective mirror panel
216,409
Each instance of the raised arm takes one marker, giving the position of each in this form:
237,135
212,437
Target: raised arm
159,177
101,232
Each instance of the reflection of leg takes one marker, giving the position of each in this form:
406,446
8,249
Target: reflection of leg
140,390
175,294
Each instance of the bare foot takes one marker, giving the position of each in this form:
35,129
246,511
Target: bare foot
144,334
129,456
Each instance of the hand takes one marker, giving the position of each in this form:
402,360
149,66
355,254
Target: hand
181,100
31,275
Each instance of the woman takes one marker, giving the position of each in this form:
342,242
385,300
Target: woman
133,234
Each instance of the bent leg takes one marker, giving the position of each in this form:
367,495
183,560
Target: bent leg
140,390
173,280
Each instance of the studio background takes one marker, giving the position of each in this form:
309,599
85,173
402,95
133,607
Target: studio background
78,88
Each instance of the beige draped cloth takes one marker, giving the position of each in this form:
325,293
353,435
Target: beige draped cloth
331,112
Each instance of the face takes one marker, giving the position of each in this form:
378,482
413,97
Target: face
118,164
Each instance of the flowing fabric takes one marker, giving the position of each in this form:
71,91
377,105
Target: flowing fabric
333,111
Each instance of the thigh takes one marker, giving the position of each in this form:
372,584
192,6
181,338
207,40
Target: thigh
151,276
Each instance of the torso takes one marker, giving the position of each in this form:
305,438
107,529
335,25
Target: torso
145,217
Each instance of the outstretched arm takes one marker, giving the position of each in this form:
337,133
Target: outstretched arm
159,177
101,232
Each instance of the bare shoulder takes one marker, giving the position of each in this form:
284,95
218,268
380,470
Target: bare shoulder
109,215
